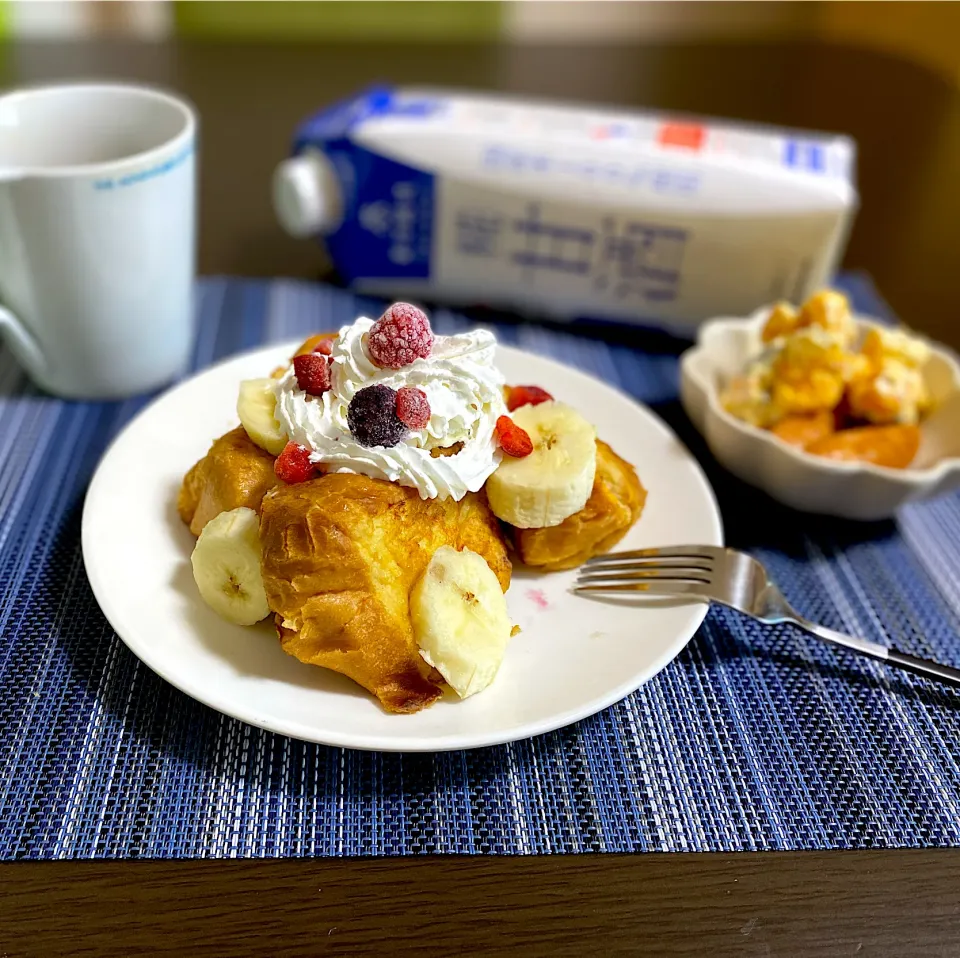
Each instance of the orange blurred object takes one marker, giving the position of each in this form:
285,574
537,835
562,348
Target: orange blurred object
311,343
803,430
830,310
869,400
782,321
803,391
891,446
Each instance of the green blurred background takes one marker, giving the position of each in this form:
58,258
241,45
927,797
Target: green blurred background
914,30
376,19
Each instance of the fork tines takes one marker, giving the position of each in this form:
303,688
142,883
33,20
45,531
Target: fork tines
672,570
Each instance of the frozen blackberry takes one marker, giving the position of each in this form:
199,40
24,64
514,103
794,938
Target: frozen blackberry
372,416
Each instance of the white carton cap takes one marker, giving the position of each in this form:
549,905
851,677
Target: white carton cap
306,195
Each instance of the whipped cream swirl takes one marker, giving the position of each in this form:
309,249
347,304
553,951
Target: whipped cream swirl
465,392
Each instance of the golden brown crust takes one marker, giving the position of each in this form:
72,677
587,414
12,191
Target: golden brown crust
191,489
613,507
341,554
235,472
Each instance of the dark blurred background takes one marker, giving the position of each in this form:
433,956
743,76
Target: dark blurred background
886,73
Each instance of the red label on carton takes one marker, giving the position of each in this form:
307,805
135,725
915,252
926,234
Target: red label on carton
689,136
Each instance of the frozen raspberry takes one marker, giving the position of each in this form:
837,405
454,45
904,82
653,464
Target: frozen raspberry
293,464
514,440
518,396
399,337
372,416
313,373
324,347
413,407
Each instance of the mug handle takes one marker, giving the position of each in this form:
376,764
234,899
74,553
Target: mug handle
22,343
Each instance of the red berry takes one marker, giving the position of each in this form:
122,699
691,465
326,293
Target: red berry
293,464
324,347
514,440
518,396
413,407
313,373
399,337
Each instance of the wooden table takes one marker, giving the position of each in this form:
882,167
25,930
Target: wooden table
898,903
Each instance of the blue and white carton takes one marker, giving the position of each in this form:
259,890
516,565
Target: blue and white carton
567,211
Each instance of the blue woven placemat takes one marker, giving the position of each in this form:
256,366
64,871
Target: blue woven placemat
752,739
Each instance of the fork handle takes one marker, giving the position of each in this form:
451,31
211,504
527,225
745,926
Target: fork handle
925,667
910,663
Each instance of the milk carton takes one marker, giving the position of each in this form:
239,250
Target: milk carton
567,211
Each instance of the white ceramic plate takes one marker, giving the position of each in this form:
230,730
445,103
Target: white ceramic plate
573,657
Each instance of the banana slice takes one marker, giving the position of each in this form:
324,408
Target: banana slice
255,406
556,479
460,619
226,567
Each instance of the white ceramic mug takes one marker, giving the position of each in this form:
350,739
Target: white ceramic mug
97,236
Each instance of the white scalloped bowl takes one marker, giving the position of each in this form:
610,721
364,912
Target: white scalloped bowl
850,490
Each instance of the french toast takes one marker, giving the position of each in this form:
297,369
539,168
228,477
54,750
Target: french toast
340,557
235,472
615,504
365,498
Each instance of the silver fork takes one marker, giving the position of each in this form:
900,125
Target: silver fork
734,579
